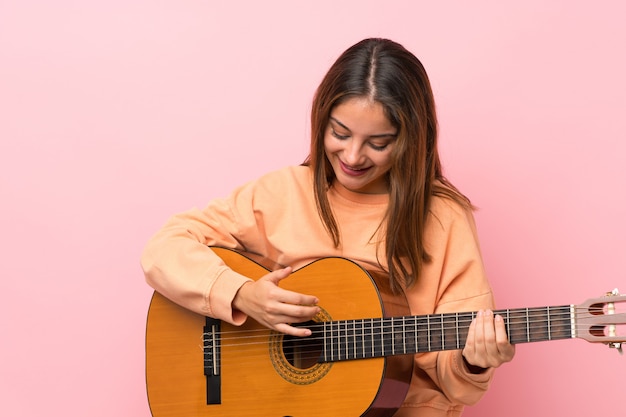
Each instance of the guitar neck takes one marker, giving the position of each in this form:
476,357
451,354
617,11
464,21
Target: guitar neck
378,337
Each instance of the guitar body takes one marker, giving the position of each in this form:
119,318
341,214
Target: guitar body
255,376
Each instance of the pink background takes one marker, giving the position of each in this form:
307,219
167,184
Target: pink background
115,114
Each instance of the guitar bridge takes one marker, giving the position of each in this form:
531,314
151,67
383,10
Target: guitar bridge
211,348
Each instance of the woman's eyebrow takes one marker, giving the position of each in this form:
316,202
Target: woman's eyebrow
381,135
339,123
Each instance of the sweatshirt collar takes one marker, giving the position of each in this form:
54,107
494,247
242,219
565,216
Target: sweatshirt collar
360,198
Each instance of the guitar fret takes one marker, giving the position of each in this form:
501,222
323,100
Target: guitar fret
364,339
371,330
346,350
382,336
342,340
338,341
403,332
354,339
393,339
527,326
415,325
331,357
456,320
332,341
328,341
516,331
398,335
325,338
423,338
343,337
377,339
549,324
337,335
508,322
428,331
346,340
388,339
443,334
361,346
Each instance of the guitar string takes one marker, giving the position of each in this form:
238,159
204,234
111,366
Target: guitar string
314,356
381,330
344,353
243,358
464,319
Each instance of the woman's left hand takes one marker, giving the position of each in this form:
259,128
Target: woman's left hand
487,344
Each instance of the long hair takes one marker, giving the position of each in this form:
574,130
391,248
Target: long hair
385,72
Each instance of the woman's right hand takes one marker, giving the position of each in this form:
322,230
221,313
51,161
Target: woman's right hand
274,307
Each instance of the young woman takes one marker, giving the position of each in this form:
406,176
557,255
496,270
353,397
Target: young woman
372,191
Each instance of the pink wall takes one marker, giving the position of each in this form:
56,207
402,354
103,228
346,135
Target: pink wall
115,114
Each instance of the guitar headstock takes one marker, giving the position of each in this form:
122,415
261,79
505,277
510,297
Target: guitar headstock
602,320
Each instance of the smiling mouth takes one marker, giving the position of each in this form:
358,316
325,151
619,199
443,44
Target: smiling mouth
353,171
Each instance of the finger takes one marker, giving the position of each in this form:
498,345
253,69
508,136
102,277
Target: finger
298,313
506,349
297,299
471,333
471,352
278,275
479,331
501,336
497,349
293,331
286,296
489,334
279,313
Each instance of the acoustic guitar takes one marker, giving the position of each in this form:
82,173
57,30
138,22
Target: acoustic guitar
357,362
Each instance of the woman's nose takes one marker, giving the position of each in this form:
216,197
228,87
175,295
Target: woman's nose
353,152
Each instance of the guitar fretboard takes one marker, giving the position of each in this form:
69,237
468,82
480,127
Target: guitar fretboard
377,337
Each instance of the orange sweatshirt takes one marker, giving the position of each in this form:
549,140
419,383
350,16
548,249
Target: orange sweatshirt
276,217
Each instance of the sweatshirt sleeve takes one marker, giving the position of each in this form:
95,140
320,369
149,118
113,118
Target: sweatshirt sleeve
178,262
454,281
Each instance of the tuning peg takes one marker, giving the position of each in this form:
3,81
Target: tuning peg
616,345
611,307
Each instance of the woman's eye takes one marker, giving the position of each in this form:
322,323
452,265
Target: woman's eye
378,147
338,136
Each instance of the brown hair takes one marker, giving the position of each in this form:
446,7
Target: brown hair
385,72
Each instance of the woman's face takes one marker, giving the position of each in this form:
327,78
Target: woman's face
358,142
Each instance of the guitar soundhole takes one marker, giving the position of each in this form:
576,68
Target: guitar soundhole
297,359
303,352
